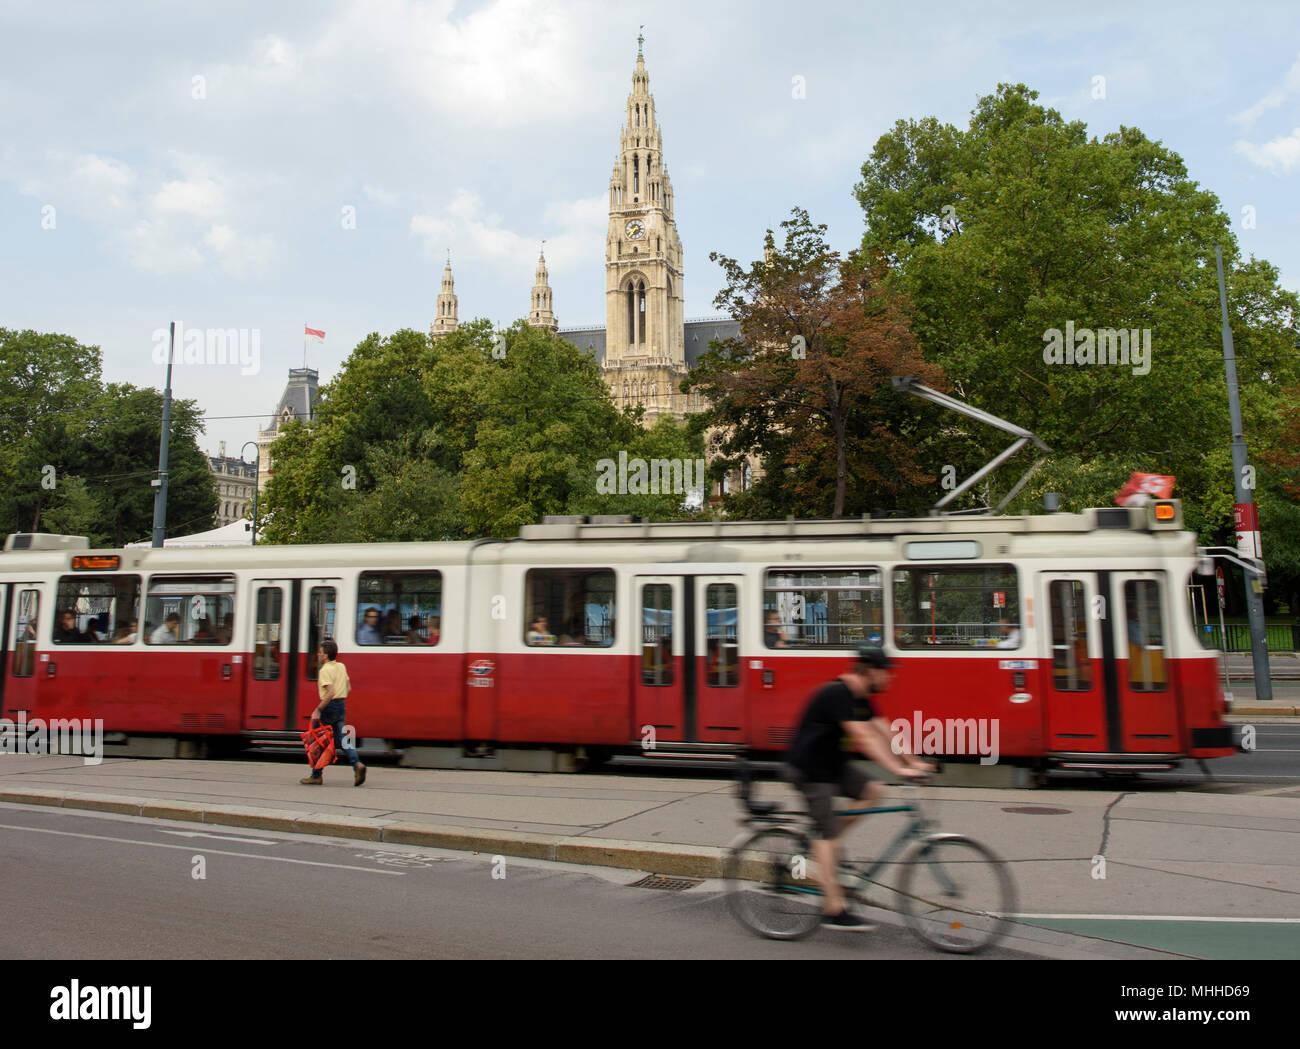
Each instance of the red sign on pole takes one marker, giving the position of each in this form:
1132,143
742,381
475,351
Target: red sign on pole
1246,521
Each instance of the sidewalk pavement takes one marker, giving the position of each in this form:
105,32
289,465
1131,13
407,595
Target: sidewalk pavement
1199,854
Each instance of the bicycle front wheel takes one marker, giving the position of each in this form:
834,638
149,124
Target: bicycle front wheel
769,887
957,895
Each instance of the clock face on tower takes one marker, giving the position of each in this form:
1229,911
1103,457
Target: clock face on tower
635,229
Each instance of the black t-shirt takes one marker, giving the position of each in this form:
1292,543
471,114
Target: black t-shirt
817,751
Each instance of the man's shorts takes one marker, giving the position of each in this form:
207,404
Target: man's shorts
820,797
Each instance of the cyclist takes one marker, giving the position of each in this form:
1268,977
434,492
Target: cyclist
818,765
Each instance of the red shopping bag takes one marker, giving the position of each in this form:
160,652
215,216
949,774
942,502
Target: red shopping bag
319,741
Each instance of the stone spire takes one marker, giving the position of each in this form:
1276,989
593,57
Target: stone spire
540,313
446,320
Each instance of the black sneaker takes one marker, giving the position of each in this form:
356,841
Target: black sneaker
848,921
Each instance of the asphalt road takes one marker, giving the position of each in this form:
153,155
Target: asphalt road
105,887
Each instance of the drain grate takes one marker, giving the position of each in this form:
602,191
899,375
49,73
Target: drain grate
658,881
1037,810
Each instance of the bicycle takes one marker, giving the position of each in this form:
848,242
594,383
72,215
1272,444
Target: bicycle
956,894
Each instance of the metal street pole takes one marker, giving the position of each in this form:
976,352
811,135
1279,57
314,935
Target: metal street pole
160,496
257,472
1246,513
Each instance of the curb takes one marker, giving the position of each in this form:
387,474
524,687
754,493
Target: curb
688,861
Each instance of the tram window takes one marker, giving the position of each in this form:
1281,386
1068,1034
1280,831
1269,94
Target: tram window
1071,667
957,606
656,634
29,604
1145,634
266,637
190,610
721,643
575,607
399,608
322,610
823,608
105,610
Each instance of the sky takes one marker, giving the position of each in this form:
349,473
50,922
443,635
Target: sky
264,167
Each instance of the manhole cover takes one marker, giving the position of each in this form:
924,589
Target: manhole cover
658,881
1037,810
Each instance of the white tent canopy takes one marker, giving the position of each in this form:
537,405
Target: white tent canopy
237,533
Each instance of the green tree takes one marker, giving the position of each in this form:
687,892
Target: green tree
79,456
473,433
47,385
806,385
1008,230
120,455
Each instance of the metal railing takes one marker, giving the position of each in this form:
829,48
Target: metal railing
1281,637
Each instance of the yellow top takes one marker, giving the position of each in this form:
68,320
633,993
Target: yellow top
332,672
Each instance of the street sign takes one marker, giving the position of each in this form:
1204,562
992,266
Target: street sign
1218,583
1246,521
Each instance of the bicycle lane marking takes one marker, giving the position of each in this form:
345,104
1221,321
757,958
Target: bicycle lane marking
1217,938
204,849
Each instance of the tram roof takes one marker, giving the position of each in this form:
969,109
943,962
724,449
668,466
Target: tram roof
50,551
613,527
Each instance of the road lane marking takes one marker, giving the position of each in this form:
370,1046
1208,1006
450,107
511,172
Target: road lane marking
191,848
219,837
1157,918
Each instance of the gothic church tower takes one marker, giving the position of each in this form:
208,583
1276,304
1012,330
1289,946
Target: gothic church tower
645,357
540,311
446,320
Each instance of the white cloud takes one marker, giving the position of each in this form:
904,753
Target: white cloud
380,196
156,246
157,219
571,227
508,63
278,55
200,197
83,184
240,254
1281,155
1274,98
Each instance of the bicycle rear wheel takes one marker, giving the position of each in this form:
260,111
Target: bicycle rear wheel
769,887
957,895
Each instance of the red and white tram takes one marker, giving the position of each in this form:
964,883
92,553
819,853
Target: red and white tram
587,637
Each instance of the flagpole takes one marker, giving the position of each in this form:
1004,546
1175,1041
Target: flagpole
304,344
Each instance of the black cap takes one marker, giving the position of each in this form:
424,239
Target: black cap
871,656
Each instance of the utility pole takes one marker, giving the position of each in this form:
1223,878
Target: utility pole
1247,515
160,496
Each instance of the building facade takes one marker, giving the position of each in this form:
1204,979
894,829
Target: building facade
646,346
235,480
297,402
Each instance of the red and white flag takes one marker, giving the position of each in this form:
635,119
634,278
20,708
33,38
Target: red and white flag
1142,488
313,334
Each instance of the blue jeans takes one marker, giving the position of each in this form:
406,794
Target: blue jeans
334,715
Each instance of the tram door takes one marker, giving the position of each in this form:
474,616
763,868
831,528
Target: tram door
1106,683
1149,707
26,617
315,619
688,686
1074,684
659,685
719,689
268,677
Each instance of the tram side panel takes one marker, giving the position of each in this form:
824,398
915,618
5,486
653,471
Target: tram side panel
402,634
186,682
562,664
